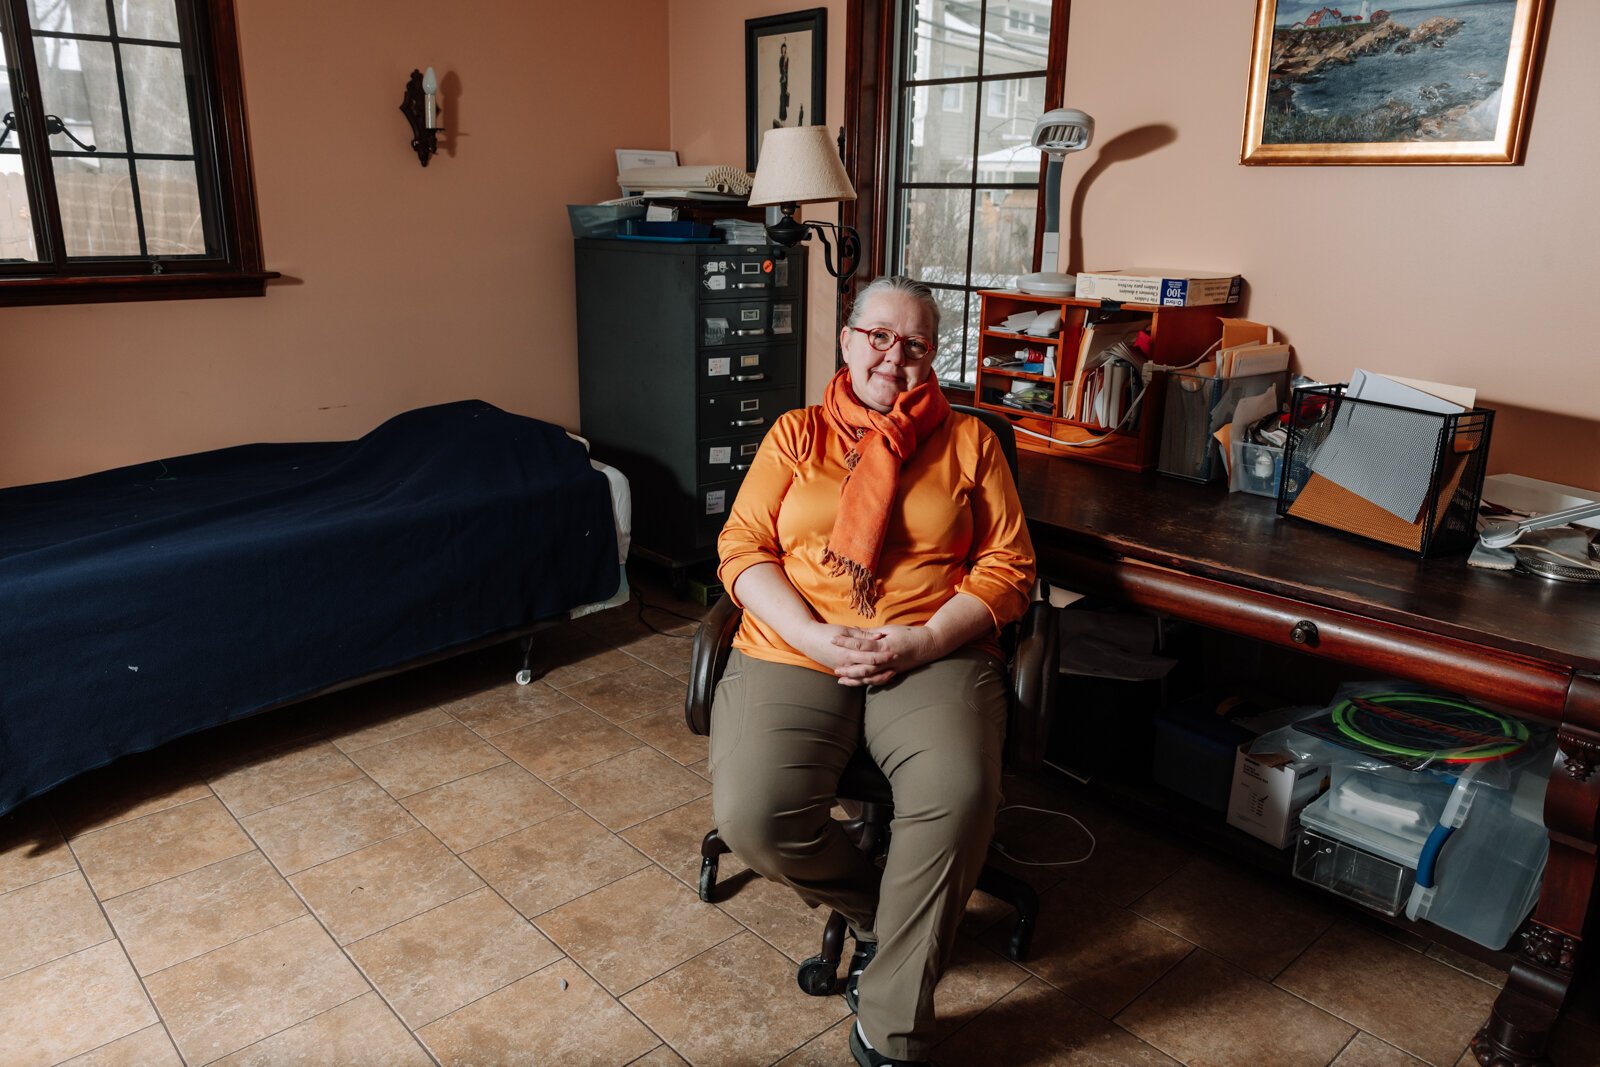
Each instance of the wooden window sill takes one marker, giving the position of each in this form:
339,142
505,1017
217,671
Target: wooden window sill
111,288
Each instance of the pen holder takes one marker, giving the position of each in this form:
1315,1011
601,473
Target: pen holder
1397,475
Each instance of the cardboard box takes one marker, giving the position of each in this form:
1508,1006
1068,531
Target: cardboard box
1160,286
1269,789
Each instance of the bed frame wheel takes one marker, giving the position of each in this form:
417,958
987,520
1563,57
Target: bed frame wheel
524,676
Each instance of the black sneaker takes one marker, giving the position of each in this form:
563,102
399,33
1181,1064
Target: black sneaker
865,950
871,1057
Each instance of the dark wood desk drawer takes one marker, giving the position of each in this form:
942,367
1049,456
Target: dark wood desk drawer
742,412
748,366
1514,681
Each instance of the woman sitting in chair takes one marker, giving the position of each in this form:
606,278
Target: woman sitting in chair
877,548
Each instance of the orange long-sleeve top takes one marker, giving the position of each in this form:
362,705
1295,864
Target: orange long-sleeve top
956,527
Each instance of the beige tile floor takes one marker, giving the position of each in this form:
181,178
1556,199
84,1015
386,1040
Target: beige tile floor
446,867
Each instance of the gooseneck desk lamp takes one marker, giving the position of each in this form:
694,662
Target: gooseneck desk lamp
1057,133
801,165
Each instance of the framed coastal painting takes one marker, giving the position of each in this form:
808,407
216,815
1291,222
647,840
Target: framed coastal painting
1391,81
785,74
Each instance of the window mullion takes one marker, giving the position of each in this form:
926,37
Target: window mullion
127,125
49,241
979,108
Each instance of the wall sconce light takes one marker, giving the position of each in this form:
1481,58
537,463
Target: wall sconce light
421,109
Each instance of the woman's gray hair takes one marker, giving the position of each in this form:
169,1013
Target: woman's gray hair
897,283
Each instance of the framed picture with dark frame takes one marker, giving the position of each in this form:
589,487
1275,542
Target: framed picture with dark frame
1409,81
785,74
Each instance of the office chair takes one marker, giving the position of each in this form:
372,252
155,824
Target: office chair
1031,655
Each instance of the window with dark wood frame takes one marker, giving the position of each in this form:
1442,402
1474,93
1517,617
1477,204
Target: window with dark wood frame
124,162
907,64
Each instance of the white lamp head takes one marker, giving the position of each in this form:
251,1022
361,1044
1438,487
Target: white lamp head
1057,133
1063,130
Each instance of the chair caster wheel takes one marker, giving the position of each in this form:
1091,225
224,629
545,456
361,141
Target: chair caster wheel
1021,940
708,880
817,977
524,676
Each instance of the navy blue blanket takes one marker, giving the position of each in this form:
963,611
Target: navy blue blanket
141,604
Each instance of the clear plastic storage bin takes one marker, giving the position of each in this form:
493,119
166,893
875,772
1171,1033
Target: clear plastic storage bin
1369,880
1462,854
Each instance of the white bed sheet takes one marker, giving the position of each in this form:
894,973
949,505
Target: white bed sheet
622,515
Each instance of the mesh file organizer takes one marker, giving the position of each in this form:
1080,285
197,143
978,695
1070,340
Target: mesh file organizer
1404,477
1197,406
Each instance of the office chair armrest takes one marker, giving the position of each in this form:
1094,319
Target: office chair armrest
709,658
1034,665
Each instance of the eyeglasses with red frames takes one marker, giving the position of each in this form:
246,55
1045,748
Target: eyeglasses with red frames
882,338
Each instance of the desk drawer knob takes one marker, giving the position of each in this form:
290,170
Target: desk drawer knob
1303,632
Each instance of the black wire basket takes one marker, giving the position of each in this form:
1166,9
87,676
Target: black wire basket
1401,476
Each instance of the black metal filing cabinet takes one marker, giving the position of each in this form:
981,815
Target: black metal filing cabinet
687,353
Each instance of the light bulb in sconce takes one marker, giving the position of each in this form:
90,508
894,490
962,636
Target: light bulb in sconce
430,98
420,106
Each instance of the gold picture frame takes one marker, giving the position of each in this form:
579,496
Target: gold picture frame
1418,81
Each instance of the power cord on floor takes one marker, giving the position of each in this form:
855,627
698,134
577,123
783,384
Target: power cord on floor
1001,848
643,603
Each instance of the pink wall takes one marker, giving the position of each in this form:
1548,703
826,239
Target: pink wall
1473,274
407,286
403,286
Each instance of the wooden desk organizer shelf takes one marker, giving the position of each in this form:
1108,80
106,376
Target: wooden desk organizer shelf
1179,335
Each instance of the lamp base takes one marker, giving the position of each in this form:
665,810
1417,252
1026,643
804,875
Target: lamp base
787,231
1048,283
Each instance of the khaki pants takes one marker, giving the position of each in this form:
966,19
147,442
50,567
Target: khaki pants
781,735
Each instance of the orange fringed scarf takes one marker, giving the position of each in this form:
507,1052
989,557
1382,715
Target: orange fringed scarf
879,444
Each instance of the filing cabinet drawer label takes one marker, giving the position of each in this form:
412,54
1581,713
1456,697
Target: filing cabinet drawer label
751,359
750,315
753,404
719,366
780,274
716,501
783,318
720,455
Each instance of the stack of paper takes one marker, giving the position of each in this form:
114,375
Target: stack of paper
1252,358
742,231
1018,322
1046,324
1384,450
1104,343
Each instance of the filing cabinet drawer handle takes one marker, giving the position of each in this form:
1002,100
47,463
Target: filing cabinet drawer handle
750,285
749,378
747,422
1304,632
739,467
749,333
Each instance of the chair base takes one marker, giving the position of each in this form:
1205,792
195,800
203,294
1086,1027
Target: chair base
819,975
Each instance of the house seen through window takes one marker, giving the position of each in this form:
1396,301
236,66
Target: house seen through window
963,185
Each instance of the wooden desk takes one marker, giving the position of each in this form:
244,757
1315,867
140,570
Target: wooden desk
1228,561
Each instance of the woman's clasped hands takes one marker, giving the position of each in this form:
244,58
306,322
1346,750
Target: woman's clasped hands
871,655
